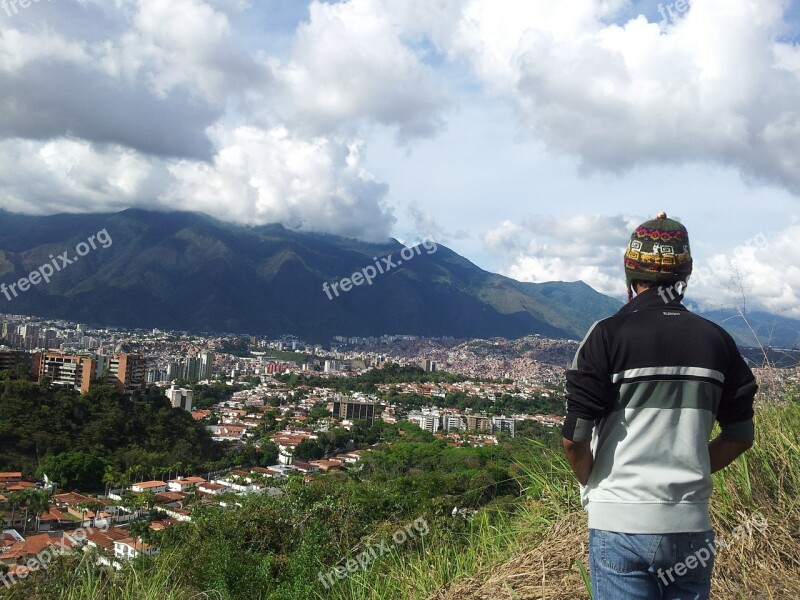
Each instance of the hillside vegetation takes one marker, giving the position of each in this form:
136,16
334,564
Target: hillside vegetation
522,536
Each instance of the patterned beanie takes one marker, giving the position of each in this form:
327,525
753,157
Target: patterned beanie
658,251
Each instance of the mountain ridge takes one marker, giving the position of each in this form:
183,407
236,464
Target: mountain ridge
188,271
179,270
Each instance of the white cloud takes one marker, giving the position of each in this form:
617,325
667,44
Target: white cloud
763,271
715,86
171,101
72,175
256,177
350,64
503,237
583,247
270,176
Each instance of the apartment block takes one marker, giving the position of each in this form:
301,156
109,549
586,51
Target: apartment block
128,372
10,359
70,370
80,371
180,398
348,408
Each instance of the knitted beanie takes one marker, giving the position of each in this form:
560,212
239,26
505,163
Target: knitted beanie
658,251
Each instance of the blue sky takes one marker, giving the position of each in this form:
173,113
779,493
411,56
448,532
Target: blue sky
531,137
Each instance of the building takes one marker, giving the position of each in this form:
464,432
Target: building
503,425
190,368
429,423
185,484
427,420
70,370
350,408
157,487
450,422
479,423
11,359
205,366
129,548
180,398
128,373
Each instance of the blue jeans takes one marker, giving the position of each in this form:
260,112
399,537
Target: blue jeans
673,566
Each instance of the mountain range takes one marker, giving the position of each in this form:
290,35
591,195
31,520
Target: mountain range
188,271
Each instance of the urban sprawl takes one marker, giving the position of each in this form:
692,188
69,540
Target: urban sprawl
80,357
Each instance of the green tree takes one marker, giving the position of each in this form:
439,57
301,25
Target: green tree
75,470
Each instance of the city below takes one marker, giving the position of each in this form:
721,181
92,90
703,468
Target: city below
282,398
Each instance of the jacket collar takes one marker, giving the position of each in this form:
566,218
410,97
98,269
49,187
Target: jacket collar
652,299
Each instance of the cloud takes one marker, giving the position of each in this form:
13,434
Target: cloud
762,272
255,177
178,98
73,175
506,236
271,176
716,85
583,247
350,64
158,104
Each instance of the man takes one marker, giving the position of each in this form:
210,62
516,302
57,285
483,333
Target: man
643,393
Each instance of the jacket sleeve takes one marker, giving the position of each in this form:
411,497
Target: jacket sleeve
735,414
589,387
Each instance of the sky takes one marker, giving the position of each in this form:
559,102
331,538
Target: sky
529,136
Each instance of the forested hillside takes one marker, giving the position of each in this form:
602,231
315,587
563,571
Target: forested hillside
73,437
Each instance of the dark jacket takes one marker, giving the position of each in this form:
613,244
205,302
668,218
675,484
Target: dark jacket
645,387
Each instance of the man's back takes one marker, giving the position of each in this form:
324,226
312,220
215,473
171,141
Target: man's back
661,375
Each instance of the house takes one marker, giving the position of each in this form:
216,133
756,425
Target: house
328,465
227,433
157,487
129,548
162,524
185,484
212,488
20,552
8,538
54,519
104,539
171,499
349,458
18,486
73,504
305,467
10,477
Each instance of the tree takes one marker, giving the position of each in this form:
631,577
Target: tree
112,477
269,454
308,450
75,470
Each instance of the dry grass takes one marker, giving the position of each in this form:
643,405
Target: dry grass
760,564
755,512
546,571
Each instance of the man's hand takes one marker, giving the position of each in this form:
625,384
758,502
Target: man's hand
723,452
579,455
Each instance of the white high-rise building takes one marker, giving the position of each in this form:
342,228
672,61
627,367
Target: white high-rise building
180,398
205,365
